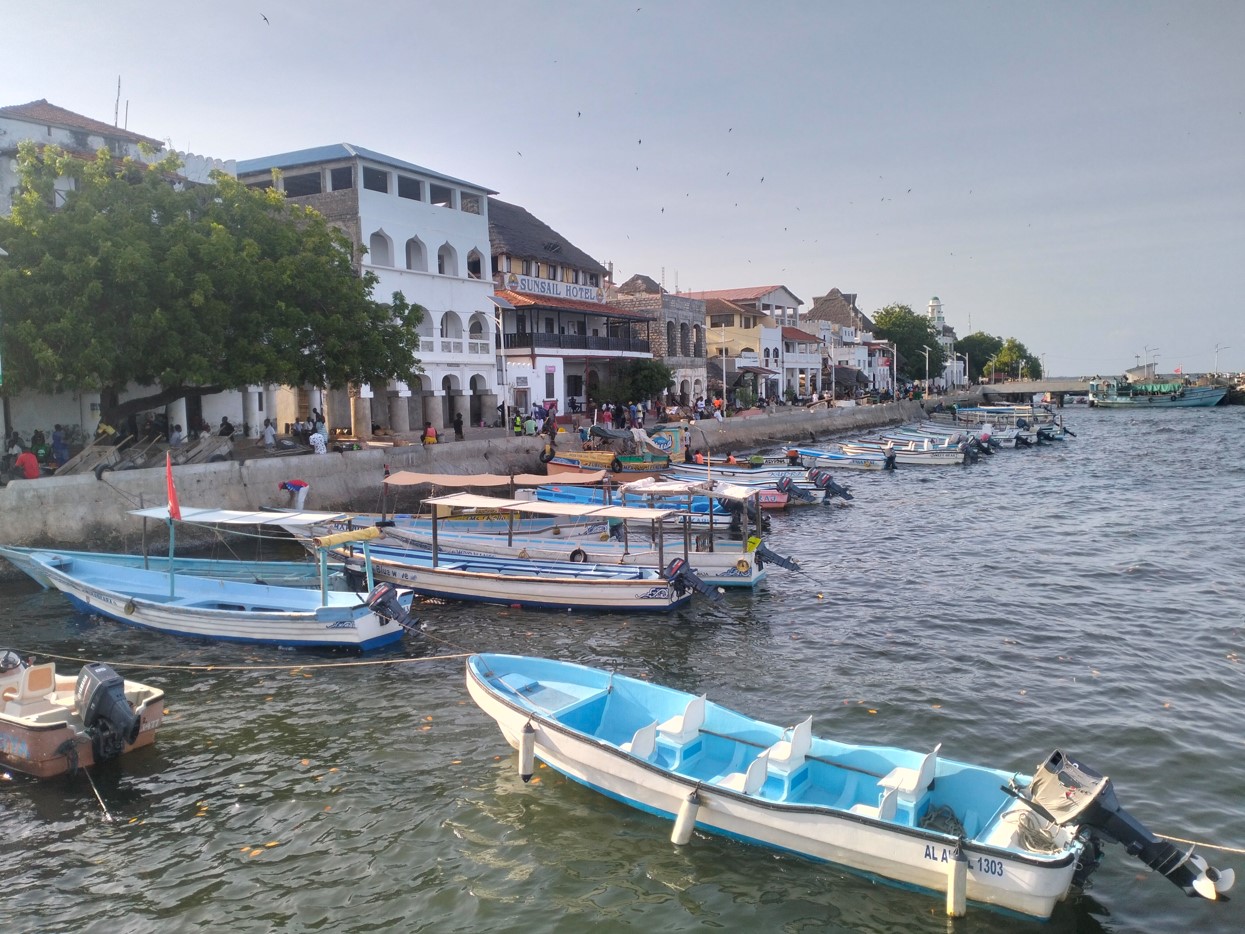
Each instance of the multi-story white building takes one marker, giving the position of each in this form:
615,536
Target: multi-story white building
953,372
423,234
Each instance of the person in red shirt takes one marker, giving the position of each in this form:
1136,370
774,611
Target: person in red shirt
26,466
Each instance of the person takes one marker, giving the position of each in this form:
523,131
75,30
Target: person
530,427
297,490
26,466
717,411
687,455
318,444
458,426
607,416
37,439
176,438
226,427
60,449
518,425
268,435
12,450
699,457
730,458
430,434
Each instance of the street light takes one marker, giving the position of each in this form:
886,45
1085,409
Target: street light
967,378
925,351
1217,346
1150,350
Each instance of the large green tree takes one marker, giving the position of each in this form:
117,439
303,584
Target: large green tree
1014,361
138,279
912,334
635,380
979,347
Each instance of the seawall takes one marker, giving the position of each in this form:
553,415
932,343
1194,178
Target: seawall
81,512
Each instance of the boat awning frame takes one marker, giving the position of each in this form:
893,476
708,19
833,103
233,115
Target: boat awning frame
200,516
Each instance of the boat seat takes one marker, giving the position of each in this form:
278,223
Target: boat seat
911,784
684,727
33,693
749,782
885,810
787,755
644,744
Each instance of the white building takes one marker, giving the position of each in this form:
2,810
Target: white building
423,234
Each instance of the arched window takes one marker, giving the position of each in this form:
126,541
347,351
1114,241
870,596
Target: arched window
451,325
685,342
447,260
380,249
475,265
671,347
416,255
698,342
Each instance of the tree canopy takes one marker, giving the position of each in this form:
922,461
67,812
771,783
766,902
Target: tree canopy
979,347
634,380
139,279
912,334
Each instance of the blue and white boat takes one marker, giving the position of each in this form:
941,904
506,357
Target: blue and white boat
219,609
978,834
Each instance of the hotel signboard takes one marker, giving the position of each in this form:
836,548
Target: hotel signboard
533,286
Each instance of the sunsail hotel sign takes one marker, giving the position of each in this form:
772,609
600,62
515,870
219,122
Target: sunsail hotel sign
534,286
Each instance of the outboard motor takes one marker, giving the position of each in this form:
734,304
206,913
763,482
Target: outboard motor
764,555
1071,793
682,579
109,719
793,489
826,482
384,601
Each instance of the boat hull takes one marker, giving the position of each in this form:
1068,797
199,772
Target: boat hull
630,472
219,610
910,856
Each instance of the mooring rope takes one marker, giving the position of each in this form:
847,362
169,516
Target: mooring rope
353,664
1209,846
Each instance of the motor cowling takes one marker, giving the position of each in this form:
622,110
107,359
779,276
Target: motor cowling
384,601
110,721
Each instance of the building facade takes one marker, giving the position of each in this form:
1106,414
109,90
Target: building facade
678,332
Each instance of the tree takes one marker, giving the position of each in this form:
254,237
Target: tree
187,290
911,333
1014,360
979,347
634,380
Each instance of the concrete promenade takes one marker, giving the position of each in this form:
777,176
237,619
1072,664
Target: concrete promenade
81,512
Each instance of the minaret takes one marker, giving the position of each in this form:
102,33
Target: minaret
935,314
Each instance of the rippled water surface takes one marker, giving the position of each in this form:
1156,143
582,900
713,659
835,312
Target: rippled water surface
1087,595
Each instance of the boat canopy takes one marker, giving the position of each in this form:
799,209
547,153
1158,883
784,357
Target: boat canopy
576,510
412,478
240,516
717,488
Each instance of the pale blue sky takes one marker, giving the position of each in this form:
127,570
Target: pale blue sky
1068,173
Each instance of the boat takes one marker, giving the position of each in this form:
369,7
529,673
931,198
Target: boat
911,454
719,562
527,584
283,573
52,724
816,457
649,455
1114,394
221,609
912,818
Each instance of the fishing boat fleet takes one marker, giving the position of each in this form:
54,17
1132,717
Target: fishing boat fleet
574,540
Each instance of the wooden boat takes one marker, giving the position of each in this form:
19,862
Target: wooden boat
622,467
911,454
219,609
1114,394
916,819
51,724
282,573
815,457
520,582
717,561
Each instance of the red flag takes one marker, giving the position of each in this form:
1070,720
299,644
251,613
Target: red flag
175,508
1179,369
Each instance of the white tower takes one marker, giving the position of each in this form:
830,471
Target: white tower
935,314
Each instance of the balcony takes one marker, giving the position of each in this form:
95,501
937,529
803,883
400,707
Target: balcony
529,340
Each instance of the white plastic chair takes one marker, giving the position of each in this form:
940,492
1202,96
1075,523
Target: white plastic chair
912,783
787,755
749,782
886,809
685,727
644,743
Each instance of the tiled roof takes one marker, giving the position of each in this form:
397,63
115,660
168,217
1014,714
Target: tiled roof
337,151
41,111
719,306
640,283
795,334
516,232
524,300
735,295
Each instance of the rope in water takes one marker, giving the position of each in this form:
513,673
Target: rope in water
1209,846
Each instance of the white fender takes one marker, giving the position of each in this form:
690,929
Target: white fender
527,752
685,823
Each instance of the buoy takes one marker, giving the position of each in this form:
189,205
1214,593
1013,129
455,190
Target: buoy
527,752
685,823
957,884
741,566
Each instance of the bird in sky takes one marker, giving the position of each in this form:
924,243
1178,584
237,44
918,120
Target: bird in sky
264,18
762,178
519,152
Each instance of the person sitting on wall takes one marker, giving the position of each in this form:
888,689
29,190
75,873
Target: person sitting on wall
430,434
26,466
699,457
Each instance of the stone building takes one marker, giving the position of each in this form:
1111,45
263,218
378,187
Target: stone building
678,335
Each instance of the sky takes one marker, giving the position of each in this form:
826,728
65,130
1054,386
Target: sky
1070,173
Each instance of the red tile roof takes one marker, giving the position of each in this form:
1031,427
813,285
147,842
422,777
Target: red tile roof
795,334
523,300
41,111
735,295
